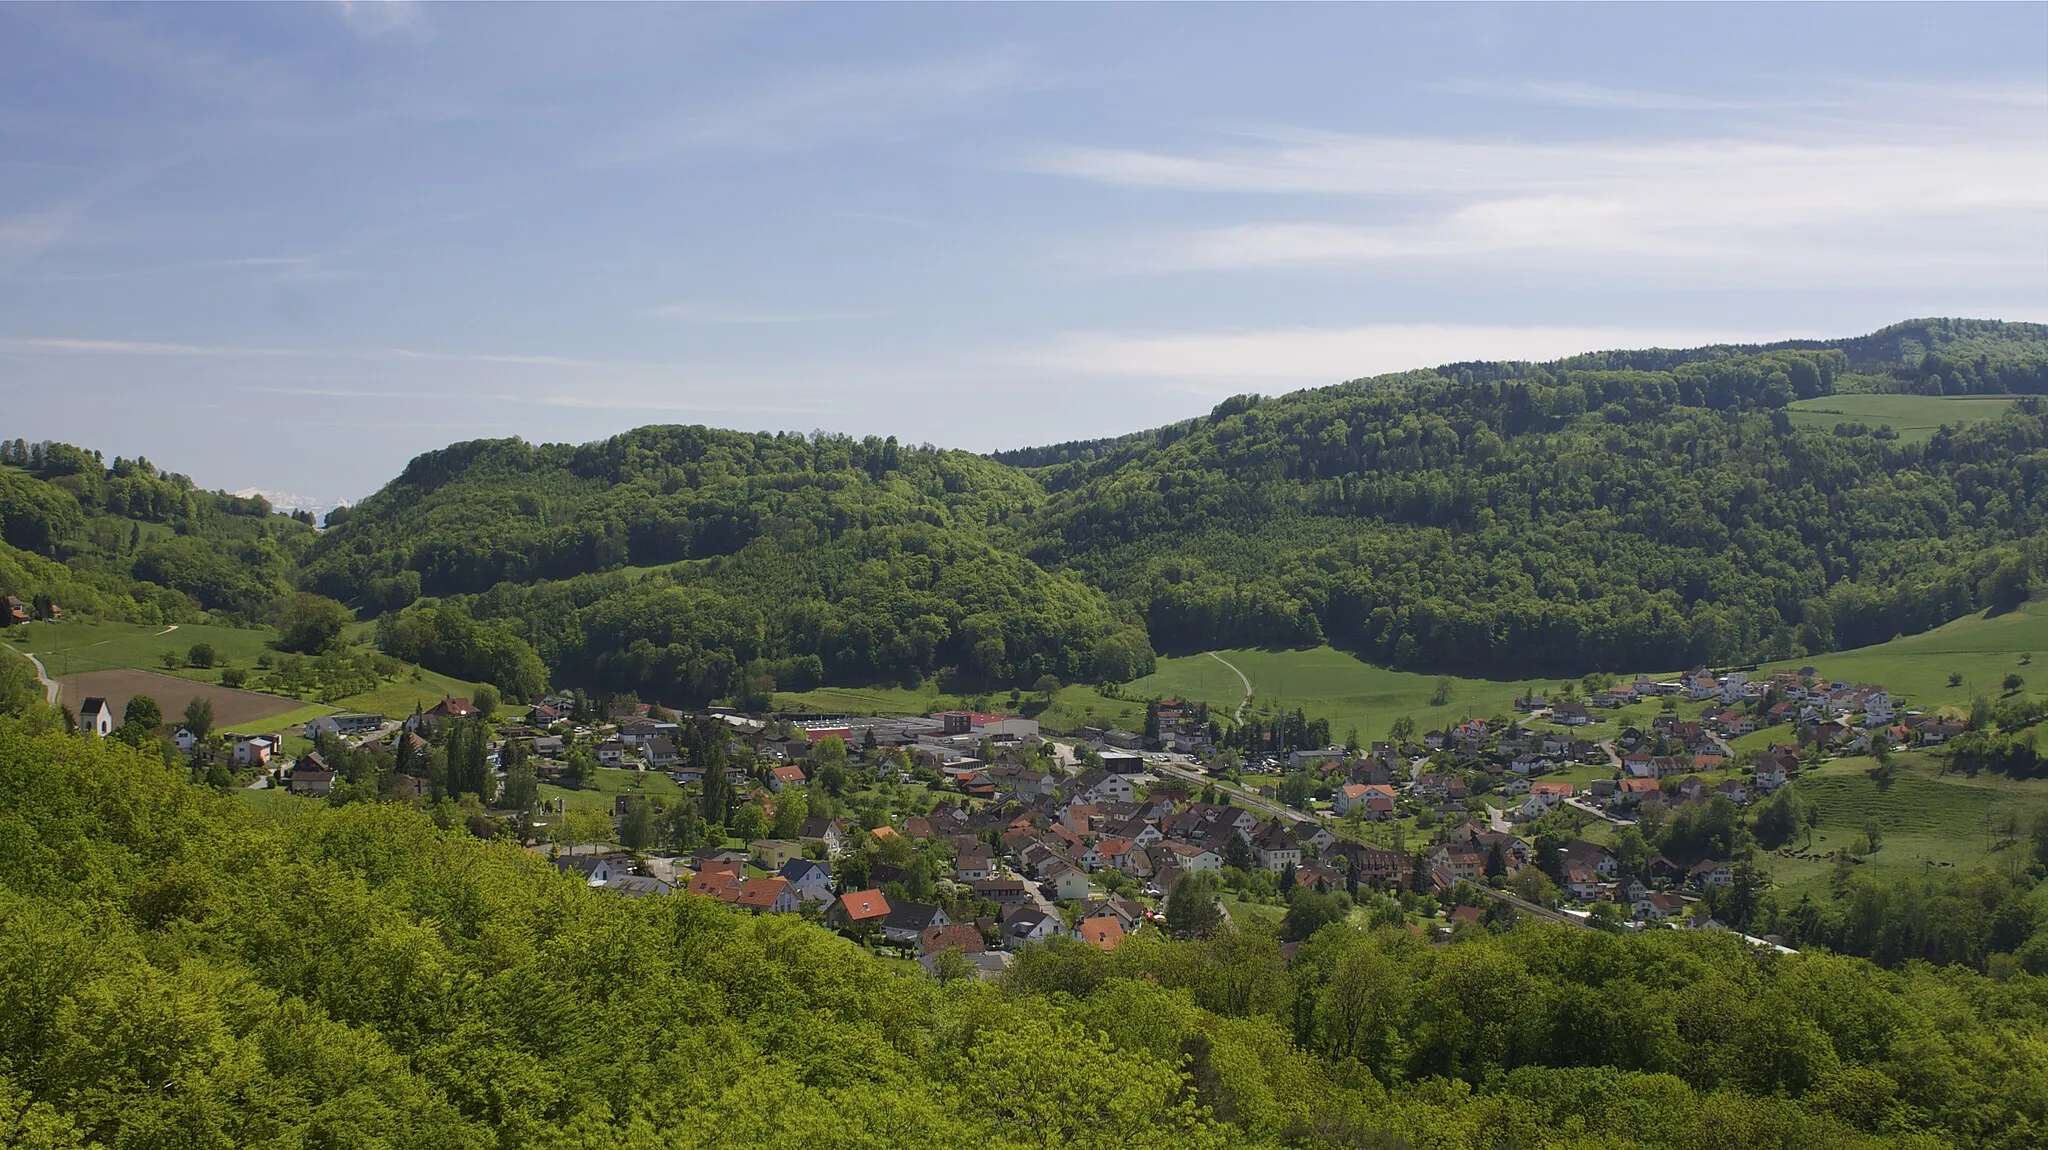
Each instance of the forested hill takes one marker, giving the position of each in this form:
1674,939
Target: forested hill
1615,510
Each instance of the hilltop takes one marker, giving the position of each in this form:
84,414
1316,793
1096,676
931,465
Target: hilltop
1612,511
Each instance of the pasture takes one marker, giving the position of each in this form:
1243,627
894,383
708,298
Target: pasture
1928,821
1914,417
1981,649
1324,683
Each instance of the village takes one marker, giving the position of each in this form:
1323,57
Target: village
973,835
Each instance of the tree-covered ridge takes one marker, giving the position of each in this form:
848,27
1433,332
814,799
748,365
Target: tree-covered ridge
1555,522
136,541
776,557
467,517
174,972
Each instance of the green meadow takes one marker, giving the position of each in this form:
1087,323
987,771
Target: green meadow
1324,683
1982,649
1928,822
1914,417
76,646
609,782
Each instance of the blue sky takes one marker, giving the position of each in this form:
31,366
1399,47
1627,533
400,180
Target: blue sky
291,246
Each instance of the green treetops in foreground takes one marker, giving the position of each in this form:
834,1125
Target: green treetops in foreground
177,971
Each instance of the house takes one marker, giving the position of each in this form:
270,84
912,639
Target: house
1100,786
596,870
773,854
1709,872
960,936
1581,881
1064,882
1657,905
1029,926
96,717
254,750
311,780
1349,797
660,753
831,832
906,922
810,879
343,726
1103,932
1001,891
611,753
184,738
1570,714
785,776
440,712
764,896
974,865
1191,857
636,885
857,908
1276,848
1461,862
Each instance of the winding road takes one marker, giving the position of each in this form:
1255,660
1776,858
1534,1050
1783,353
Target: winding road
43,676
1237,716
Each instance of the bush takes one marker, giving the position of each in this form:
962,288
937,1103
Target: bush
233,677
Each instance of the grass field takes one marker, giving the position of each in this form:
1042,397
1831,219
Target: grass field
1326,683
1914,417
75,647
1982,650
1072,708
610,782
398,699
1925,818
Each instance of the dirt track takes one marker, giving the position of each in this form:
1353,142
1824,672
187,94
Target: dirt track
230,707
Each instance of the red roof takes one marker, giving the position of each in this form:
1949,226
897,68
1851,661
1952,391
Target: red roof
862,905
791,774
1104,932
761,893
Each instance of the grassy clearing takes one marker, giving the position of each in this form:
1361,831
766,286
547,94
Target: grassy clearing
1914,417
75,647
1071,708
1325,683
272,804
1239,909
399,698
1927,820
1982,650
610,782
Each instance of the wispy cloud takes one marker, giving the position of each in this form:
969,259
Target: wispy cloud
1812,207
691,311
1579,94
373,18
807,111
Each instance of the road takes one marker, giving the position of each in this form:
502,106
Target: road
43,677
1237,716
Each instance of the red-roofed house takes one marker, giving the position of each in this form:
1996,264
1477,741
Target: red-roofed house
1103,932
856,907
786,776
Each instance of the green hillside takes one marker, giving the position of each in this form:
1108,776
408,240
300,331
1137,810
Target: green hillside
1495,522
1982,648
1326,684
180,968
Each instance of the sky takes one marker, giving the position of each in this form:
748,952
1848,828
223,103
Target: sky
289,247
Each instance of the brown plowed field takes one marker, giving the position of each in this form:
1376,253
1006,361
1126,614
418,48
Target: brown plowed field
230,706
